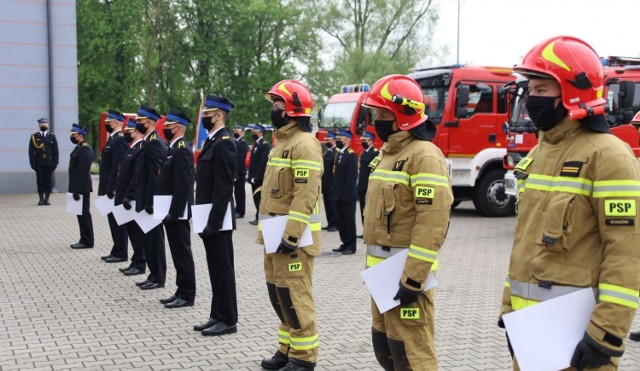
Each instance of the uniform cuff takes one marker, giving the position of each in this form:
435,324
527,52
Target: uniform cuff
603,341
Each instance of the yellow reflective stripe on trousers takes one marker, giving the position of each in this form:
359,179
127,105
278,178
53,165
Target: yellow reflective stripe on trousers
421,253
315,226
618,295
300,217
306,164
429,179
279,161
283,337
304,343
390,176
549,183
616,188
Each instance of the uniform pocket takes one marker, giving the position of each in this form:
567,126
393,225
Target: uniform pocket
278,186
389,200
555,222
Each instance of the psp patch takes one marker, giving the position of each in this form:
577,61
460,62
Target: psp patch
301,175
425,195
409,313
620,208
295,267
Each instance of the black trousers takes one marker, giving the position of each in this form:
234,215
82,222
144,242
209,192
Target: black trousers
362,195
330,210
239,194
346,211
155,255
44,178
137,243
84,221
120,238
256,197
219,249
179,238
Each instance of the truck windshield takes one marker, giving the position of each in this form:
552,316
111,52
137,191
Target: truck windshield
337,115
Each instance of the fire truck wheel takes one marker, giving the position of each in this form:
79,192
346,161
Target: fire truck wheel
489,197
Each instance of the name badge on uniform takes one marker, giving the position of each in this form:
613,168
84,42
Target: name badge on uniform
620,212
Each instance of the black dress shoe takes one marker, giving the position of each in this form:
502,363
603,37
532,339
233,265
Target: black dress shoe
124,268
40,203
106,257
635,336
276,362
151,285
220,328
169,299
206,325
332,229
142,283
348,252
133,272
254,222
81,246
179,303
115,259
292,366
238,216
339,249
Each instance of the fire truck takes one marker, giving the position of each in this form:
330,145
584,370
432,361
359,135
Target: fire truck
622,92
464,103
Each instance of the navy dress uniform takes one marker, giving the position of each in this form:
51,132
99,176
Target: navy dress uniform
113,153
80,183
176,180
241,171
148,164
214,185
43,157
329,158
344,194
257,166
125,193
366,157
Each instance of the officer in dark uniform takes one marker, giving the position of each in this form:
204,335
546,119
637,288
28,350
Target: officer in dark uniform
329,158
43,157
176,180
126,192
214,185
241,171
112,154
258,164
344,193
368,154
80,183
152,154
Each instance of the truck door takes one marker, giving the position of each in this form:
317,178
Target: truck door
476,124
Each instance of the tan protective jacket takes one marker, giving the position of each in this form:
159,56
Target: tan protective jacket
577,227
408,206
292,185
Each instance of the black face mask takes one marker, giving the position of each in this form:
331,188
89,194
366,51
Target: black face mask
108,128
43,128
543,113
236,135
127,137
168,134
365,145
74,140
255,136
384,129
141,129
339,144
276,118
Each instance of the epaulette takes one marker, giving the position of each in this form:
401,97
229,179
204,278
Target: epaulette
181,144
153,137
225,137
120,134
84,144
350,150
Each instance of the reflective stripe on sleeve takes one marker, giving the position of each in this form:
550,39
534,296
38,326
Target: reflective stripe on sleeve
304,343
618,295
429,179
548,183
300,217
616,188
390,176
306,164
421,253
279,161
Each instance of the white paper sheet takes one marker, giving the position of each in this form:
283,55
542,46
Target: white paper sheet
104,204
382,280
123,215
544,336
200,217
74,207
145,221
161,206
273,229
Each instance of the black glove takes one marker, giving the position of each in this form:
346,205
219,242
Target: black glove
285,248
76,196
169,219
110,195
406,296
149,209
126,203
586,356
33,167
208,231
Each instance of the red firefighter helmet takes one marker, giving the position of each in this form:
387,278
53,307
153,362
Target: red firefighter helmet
296,96
575,66
403,96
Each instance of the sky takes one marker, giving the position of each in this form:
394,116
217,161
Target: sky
501,32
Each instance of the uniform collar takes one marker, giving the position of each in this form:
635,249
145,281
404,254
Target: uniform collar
136,142
287,130
215,131
175,140
397,141
565,128
114,133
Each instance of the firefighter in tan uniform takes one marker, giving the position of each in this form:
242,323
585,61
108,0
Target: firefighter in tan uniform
408,206
579,193
292,187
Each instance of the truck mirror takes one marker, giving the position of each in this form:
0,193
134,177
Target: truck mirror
626,94
319,114
462,100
